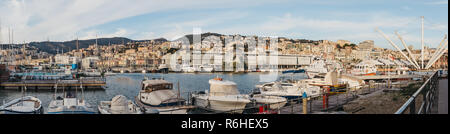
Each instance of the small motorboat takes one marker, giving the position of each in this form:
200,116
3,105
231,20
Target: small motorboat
23,105
119,105
69,104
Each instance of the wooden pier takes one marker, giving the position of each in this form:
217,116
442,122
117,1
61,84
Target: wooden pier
51,84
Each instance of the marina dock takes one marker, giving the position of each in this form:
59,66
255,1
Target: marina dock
50,84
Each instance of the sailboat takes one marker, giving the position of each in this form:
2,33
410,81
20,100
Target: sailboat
69,104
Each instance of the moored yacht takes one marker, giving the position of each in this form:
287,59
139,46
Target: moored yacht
223,96
290,91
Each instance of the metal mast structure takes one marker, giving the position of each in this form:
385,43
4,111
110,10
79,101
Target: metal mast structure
423,47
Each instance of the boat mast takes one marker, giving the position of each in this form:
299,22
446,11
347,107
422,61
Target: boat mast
82,90
56,88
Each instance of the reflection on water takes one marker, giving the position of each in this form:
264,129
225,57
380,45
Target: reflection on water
130,84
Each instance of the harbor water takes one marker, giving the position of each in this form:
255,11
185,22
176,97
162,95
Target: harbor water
130,85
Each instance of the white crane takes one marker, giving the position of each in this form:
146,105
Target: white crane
407,49
423,48
439,49
438,57
393,44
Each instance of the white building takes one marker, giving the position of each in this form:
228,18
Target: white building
62,59
89,62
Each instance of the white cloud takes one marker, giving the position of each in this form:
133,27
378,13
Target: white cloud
443,2
59,20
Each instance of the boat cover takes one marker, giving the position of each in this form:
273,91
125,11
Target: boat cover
222,88
160,96
119,103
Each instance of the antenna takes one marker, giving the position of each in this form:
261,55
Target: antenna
12,36
77,44
9,36
1,32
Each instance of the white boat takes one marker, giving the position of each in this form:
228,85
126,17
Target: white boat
92,73
109,73
163,68
274,102
223,96
69,104
119,105
290,91
144,71
23,105
318,67
158,94
187,69
207,68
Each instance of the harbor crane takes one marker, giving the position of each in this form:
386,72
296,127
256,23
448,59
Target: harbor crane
393,44
407,49
440,51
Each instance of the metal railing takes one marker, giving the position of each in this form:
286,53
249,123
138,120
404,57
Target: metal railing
429,93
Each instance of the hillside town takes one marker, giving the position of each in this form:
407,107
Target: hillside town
150,56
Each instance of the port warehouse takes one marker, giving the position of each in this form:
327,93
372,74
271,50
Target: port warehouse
253,61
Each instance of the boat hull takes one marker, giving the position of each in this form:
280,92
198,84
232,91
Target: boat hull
167,109
221,106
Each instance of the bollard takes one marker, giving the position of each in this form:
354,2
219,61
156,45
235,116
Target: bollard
325,98
305,103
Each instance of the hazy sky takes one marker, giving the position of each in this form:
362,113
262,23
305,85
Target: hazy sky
354,20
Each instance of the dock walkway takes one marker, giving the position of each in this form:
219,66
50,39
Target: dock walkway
50,84
335,102
443,97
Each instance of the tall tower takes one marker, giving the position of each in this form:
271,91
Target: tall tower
423,47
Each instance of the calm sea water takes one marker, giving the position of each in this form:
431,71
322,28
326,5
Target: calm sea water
130,84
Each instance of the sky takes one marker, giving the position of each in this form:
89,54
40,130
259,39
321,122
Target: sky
353,20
